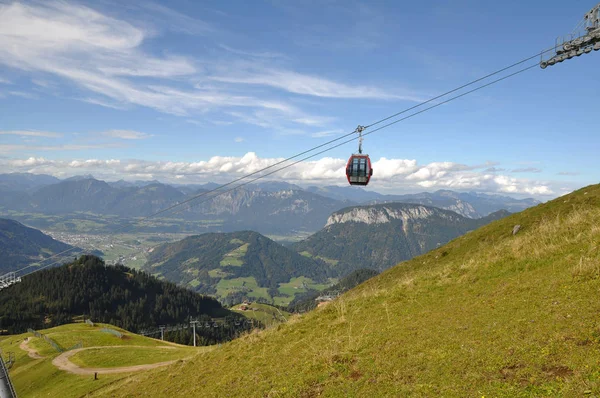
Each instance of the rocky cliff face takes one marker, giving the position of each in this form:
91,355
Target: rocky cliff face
381,214
463,208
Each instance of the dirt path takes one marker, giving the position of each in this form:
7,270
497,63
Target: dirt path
62,362
30,351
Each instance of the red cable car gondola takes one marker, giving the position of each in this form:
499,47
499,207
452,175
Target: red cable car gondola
358,168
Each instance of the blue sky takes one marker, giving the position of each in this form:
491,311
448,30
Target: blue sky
191,91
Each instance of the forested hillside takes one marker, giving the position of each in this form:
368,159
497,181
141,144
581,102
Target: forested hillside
21,245
117,295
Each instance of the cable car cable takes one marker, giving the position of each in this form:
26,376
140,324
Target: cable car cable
312,155
295,156
310,150
453,98
461,87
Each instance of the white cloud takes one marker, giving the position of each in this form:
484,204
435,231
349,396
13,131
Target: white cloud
568,173
27,133
4,81
526,170
8,148
93,163
327,133
103,55
239,139
30,162
435,171
313,120
390,168
390,175
43,83
120,134
126,134
494,170
175,20
298,83
105,104
23,94
221,123
253,54
278,120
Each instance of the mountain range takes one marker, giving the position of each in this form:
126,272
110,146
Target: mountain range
272,208
468,204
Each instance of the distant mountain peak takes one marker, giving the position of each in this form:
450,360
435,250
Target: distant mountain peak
81,178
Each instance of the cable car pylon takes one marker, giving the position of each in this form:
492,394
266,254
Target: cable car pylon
579,42
9,279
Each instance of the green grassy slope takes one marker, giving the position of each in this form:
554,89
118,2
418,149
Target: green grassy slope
489,314
40,378
263,313
115,357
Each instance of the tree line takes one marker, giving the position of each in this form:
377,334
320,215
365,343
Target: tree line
121,296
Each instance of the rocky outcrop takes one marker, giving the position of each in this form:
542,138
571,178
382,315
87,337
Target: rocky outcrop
382,214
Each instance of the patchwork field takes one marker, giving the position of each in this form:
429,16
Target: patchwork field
235,257
301,285
249,285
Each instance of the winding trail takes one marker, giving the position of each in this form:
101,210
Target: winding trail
30,351
62,362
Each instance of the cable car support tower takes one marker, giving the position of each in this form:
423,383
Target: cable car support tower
584,38
9,279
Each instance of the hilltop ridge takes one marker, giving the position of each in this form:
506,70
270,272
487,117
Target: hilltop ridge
270,207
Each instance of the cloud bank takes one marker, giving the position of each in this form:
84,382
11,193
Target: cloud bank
393,175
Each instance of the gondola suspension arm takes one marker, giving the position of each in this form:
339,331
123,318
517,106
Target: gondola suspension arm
359,130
